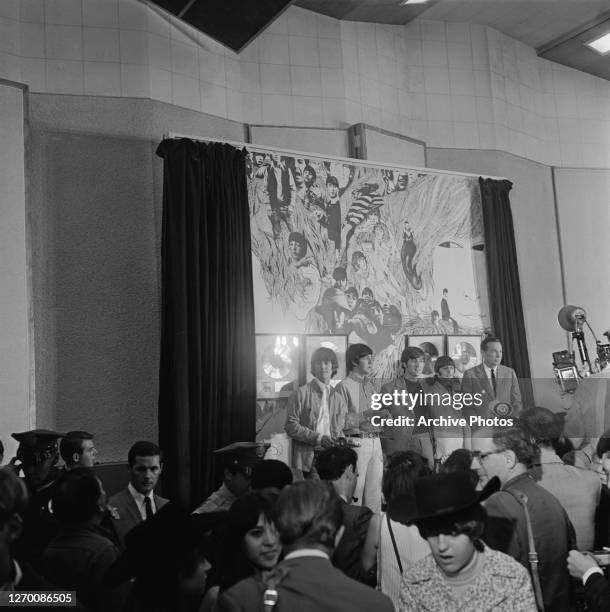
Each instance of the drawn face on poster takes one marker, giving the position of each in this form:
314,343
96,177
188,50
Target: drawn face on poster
373,253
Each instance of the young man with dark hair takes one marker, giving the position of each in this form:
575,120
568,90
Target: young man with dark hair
316,412
357,391
79,556
509,455
309,521
77,450
417,438
494,382
137,501
339,467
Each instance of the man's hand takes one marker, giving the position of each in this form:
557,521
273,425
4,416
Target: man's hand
579,563
326,442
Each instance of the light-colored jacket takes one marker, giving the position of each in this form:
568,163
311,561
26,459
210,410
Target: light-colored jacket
302,418
502,586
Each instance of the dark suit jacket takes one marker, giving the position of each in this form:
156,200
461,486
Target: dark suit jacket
506,531
475,381
129,515
311,584
347,555
597,593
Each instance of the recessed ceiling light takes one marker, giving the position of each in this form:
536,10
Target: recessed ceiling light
405,2
601,44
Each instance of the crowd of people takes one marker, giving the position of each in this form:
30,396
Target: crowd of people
424,518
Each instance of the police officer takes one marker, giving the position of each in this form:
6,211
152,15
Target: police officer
37,456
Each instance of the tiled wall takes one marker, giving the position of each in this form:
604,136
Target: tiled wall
450,84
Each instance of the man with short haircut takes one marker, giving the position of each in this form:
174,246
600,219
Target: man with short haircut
509,454
495,383
238,460
577,489
417,438
78,557
357,391
137,501
339,467
309,523
316,412
77,450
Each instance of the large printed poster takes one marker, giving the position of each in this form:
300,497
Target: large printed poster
375,253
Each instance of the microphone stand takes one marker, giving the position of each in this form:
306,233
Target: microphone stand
579,336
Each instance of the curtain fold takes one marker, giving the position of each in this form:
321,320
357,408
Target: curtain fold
207,377
505,303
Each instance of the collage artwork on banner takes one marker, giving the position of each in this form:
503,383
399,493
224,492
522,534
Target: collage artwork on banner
372,253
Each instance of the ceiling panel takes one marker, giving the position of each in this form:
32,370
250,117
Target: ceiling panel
550,26
533,22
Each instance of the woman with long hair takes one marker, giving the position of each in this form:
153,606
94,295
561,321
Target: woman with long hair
247,544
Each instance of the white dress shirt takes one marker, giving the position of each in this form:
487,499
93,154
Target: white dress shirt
139,499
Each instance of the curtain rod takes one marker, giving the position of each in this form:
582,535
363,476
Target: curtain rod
309,154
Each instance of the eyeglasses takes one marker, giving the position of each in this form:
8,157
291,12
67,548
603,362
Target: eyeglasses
480,456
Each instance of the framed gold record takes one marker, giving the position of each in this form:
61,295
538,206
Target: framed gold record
278,362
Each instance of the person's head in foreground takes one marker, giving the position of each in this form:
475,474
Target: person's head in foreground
338,465
79,498
13,504
271,474
166,562
603,454
249,543
309,515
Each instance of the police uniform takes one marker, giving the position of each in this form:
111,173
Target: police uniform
39,526
239,456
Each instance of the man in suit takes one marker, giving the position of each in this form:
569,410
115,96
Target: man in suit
339,467
509,454
309,521
316,413
584,567
577,489
137,501
494,382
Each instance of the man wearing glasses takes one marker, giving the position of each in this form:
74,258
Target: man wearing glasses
508,454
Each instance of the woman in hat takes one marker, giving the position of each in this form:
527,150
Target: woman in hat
444,387
461,573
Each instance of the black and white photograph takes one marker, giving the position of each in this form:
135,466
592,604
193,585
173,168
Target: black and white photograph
304,305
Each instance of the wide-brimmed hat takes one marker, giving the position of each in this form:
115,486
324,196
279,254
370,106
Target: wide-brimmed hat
439,495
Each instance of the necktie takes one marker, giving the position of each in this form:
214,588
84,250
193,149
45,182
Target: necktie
148,507
493,381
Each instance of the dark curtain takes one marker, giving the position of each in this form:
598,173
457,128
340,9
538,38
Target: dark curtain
207,378
503,281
